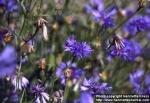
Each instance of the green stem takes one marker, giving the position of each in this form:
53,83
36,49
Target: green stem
21,99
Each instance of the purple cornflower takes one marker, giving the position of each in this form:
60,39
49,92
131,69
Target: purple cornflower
64,71
89,87
9,5
78,49
105,17
8,61
40,96
137,24
140,87
125,49
136,78
96,9
93,87
19,82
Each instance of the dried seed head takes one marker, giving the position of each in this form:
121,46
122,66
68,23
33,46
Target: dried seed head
42,63
142,3
59,4
122,13
44,30
40,22
26,48
117,42
104,75
69,19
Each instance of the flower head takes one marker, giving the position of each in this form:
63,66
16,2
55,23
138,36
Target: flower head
136,78
137,24
124,49
8,61
9,6
96,9
63,72
5,34
78,49
93,87
40,96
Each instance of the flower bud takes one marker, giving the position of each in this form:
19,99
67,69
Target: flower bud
40,22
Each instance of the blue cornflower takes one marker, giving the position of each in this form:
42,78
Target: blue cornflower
6,34
124,49
136,80
9,5
137,24
78,49
40,96
8,61
94,87
105,17
89,87
96,9
64,71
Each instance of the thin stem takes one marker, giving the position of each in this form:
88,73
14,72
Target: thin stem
21,99
37,29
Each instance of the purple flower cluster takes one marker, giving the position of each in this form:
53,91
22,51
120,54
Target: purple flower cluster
94,87
137,24
63,72
136,80
40,96
125,49
9,6
78,49
96,8
89,87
